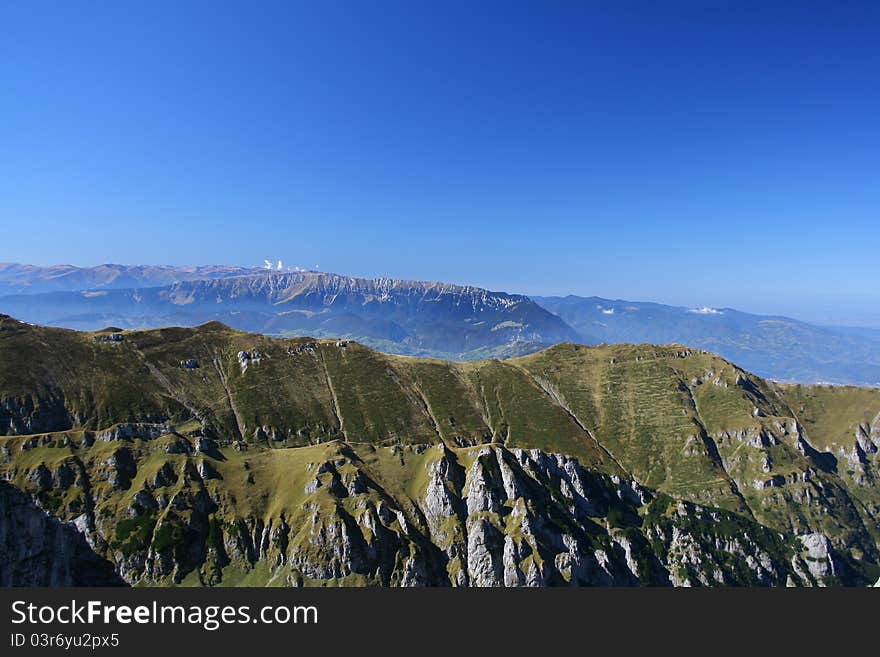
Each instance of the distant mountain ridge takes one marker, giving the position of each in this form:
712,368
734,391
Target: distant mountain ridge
433,319
774,346
31,279
409,317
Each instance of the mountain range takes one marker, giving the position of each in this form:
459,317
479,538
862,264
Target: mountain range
399,316
777,347
209,456
426,319
30,279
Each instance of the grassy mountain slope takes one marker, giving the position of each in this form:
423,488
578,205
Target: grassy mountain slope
698,427
117,406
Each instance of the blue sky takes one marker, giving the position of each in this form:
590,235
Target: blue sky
705,153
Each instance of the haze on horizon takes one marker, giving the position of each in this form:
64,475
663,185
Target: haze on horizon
695,154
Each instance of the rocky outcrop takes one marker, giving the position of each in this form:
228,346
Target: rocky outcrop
29,415
37,549
130,430
818,557
484,516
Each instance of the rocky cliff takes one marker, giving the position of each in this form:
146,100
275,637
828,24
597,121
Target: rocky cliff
171,511
38,549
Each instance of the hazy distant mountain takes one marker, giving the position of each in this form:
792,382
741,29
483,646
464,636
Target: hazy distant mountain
777,347
426,319
860,331
397,316
30,279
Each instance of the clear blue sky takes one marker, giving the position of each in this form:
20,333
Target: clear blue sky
705,153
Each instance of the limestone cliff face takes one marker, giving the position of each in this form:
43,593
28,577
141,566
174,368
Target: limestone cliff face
168,511
37,549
